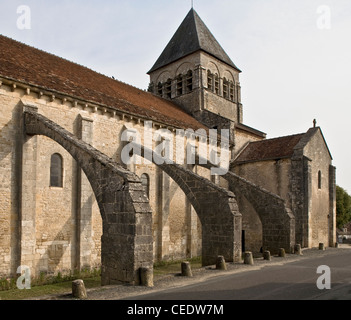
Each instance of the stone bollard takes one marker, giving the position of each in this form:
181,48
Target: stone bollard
186,269
248,259
321,246
220,264
146,277
267,255
298,250
78,290
281,253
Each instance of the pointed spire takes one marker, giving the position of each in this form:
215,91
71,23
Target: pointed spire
191,36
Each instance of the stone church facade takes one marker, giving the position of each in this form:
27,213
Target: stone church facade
68,201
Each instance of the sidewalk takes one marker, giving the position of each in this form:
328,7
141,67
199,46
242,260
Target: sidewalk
118,292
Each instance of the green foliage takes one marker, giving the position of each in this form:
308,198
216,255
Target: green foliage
343,207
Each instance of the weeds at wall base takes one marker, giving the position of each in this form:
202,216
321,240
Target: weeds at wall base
45,279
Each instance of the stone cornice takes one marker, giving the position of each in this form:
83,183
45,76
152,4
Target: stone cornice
76,102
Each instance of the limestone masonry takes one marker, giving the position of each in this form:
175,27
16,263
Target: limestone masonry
68,201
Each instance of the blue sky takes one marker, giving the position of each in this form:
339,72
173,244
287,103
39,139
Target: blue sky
293,70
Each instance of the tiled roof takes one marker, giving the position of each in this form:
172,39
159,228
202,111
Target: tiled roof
270,149
31,66
191,36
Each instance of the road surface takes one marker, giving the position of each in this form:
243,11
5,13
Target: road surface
291,281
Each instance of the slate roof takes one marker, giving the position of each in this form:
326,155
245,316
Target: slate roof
270,149
28,65
191,36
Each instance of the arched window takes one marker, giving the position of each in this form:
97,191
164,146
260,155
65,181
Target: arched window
160,89
216,83
179,85
189,81
145,182
168,88
209,80
56,171
319,180
225,88
231,91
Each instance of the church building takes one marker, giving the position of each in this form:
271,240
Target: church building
68,200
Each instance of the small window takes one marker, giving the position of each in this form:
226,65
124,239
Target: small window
56,171
209,80
168,88
231,89
216,84
145,182
189,81
319,180
225,88
179,85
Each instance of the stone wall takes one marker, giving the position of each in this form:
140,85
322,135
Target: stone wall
10,175
64,227
296,181
200,98
272,175
252,225
317,151
242,138
265,213
300,185
127,238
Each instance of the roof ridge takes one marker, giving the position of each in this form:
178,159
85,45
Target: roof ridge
36,67
191,36
269,149
49,53
282,137
195,14
70,61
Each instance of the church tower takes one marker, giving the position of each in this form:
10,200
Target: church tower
196,73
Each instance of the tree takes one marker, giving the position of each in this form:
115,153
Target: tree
343,207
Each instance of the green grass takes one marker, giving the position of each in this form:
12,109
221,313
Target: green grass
174,266
48,289
48,284
44,285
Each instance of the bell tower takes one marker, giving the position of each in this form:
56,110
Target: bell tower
196,73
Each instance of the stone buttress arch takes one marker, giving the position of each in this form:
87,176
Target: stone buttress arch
126,243
216,208
278,221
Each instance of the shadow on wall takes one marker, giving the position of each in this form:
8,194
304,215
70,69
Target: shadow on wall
13,131
52,252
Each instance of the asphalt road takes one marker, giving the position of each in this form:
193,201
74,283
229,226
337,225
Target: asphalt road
291,281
